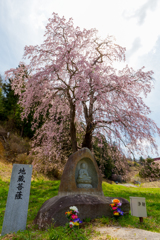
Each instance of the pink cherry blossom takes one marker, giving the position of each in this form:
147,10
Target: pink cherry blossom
71,81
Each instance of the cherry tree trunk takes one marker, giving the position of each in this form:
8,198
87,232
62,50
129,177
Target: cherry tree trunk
73,137
87,142
73,128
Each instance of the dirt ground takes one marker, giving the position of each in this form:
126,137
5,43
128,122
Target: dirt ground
119,233
155,184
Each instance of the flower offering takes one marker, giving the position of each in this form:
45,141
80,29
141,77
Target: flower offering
115,207
74,221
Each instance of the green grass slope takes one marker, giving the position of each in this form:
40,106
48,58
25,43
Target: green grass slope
43,190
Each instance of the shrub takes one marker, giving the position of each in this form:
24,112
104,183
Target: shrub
51,167
103,159
18,144
150,170
23,158
109,159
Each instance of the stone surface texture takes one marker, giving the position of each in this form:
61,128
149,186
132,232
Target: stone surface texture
15,217
89,206
90,202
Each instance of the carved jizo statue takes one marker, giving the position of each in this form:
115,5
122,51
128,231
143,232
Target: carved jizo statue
84,180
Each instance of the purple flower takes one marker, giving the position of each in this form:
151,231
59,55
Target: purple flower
77,220
120,211
119,204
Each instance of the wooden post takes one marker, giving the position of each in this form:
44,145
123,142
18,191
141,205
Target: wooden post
141,219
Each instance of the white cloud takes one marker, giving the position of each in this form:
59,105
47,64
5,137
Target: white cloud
142,12
146,32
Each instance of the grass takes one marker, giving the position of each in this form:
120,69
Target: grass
152,196
42,190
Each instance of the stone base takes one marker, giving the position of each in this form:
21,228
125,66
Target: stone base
84,185
89,206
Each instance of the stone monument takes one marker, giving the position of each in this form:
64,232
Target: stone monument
15,217
81,186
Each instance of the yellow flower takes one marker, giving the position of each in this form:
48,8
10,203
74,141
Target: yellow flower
116,213
68,213
112,205
76,223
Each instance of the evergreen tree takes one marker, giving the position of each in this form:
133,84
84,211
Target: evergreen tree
101,153
141,160
1,100
10,111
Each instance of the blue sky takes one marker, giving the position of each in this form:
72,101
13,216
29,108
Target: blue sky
134,23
